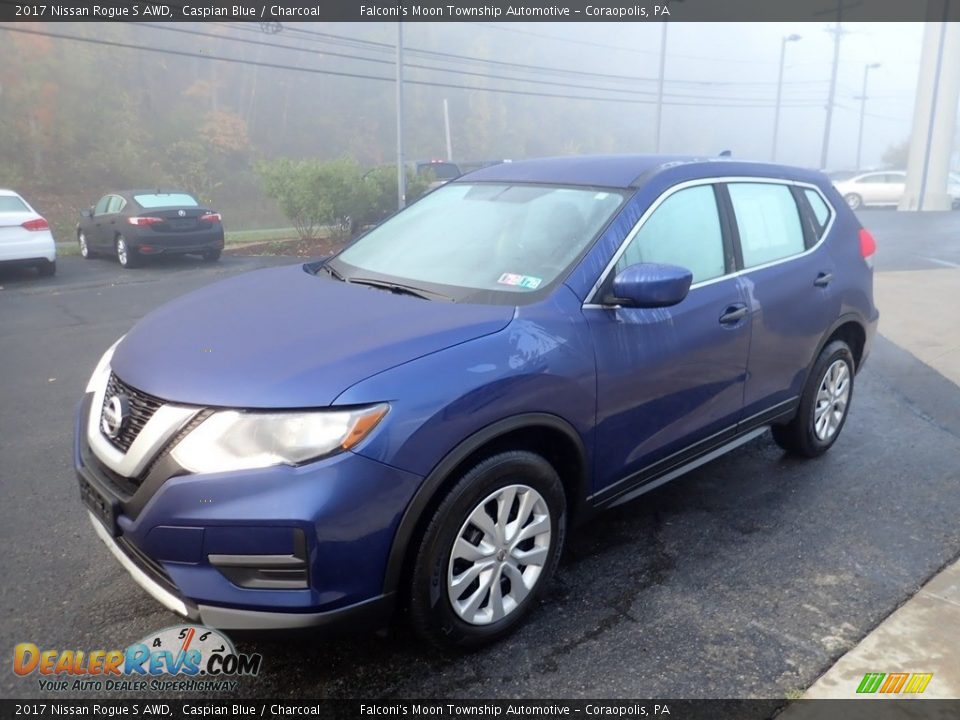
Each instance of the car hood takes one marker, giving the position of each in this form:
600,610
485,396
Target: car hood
283,338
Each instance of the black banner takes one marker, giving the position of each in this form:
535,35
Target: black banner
282,11
486,709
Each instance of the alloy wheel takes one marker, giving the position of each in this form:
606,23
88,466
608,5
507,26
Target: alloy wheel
122,255
832,400
84,250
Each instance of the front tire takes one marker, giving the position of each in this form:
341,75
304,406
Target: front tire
824,404
126,256
85,252
492,546
47,268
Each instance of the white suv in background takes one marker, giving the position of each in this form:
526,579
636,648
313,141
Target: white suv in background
25,237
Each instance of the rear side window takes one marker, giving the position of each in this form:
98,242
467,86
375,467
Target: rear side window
684,231
165,200
11,203
768,220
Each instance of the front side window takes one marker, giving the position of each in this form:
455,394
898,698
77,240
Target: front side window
473,239
768,220
101,208
684,230
115,205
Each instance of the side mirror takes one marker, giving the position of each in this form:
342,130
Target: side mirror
86,213
650,285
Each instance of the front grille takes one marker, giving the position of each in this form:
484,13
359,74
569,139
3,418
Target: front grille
142,408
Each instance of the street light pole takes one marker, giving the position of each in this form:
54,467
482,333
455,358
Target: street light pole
863,106
776,112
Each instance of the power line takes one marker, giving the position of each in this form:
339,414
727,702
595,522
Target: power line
438,69
455,57
619,48
337,73
376,46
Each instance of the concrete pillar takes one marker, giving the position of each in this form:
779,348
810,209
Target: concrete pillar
934,119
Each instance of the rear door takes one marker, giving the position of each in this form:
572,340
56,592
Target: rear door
669,378
894,187
787,279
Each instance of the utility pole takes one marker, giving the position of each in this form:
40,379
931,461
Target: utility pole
776,112
863,107
837,34
663,64
446,127
401,170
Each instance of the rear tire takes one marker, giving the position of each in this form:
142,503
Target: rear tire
824,404
47,268
493,567
853,201
211,256
126,256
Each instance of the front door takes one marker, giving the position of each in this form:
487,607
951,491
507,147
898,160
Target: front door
668,378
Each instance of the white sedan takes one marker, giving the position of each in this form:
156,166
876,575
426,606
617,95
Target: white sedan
25,237
884,187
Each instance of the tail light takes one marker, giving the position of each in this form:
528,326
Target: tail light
36,224
868,246
210,217
144,220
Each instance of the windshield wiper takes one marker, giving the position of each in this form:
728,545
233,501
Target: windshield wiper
400,289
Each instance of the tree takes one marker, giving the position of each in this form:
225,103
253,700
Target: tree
896,156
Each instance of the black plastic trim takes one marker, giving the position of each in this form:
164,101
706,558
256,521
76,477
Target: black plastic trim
438,476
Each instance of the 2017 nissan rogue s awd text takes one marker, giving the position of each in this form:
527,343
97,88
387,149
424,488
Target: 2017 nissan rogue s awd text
417,420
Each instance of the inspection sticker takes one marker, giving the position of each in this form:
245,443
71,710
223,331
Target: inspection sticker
525,281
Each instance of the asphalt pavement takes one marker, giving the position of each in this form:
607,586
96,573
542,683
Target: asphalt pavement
747,578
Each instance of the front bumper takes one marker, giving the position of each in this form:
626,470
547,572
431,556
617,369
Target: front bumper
169,529
369,614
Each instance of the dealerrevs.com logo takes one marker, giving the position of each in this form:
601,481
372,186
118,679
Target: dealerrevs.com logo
179,658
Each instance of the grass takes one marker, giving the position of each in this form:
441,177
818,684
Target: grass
234,237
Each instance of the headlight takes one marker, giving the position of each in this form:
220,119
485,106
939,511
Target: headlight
233,440
102,372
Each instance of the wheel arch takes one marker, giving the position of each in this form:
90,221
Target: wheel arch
544,433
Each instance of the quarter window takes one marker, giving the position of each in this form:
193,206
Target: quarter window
684,230
768,221
820,209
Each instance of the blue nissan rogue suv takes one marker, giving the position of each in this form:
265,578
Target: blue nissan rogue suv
417,420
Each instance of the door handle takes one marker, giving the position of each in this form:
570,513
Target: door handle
733,314
823,279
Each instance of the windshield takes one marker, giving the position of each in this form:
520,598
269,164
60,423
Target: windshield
11,203
483,237
158,200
